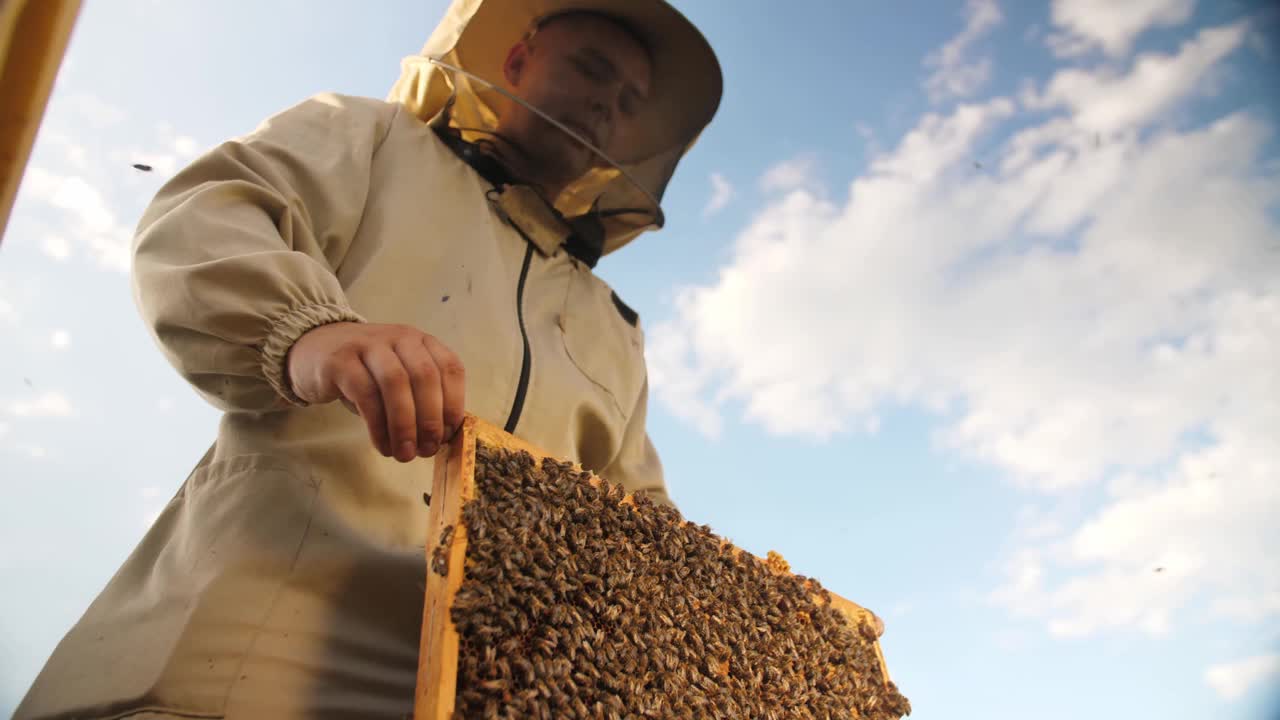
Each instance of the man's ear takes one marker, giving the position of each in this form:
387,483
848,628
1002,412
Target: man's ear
513,66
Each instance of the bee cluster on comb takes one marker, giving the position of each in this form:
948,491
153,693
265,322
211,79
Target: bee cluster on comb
576,600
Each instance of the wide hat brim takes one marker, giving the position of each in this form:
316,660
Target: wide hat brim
686,81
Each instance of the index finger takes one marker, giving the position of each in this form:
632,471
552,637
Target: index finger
453,385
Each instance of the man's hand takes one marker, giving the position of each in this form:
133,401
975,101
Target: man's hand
406,384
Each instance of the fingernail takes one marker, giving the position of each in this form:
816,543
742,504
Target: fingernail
407,451
427,448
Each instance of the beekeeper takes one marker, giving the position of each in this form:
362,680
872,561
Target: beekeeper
343,283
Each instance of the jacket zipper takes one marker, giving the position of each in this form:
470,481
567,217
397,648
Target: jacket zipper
517,406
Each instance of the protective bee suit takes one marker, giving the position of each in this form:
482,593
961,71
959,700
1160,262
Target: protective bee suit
284,579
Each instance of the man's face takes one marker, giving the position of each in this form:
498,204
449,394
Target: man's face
586,72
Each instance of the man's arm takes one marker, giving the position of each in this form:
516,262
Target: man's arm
234,262
234,259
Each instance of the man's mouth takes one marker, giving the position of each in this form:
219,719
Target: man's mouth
586,133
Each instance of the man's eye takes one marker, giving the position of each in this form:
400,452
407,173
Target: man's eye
588,70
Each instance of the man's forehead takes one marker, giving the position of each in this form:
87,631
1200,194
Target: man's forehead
581,32
582,27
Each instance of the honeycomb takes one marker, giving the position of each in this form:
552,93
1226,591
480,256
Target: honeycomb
579,601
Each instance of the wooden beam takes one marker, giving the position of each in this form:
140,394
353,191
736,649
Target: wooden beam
33,40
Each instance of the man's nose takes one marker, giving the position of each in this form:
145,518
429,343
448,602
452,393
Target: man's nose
601,108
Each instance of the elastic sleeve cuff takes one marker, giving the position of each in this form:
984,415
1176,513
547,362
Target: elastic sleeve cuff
285,331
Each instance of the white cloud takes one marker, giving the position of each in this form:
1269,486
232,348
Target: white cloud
1034,524
1247,608
1105,102
1206,530
81,183
185,146
666,355
149,517
1081,312
91,217
73,153
72,194
954,75
721,193
789,175
56,247
1109,25
937,144
153,496
1232,680
49,404
90,109
60,339
868,137
165,153
8,314
4,429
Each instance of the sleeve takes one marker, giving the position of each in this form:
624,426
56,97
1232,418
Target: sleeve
637,466
235,258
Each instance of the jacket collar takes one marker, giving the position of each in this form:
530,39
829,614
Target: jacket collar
521,207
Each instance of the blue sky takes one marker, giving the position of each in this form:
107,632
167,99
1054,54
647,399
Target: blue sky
970,310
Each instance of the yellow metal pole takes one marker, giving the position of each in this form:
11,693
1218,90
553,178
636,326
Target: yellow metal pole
33,40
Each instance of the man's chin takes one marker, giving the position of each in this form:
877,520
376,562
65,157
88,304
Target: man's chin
575,161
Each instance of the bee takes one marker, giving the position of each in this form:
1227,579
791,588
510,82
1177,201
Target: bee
439,562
